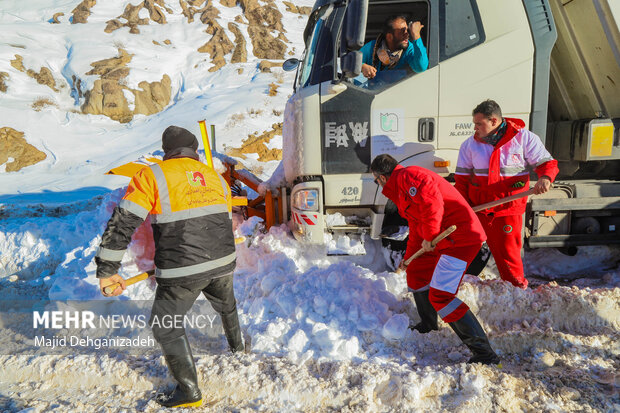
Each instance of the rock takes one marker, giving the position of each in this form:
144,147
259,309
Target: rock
18,63
219,45
4,76
240,54
153,97
265,45
265,65
82,11
107,98
454,356
156,13
256,144
297,9
13,145
546,360
44,77
570,393
263,20
55,18
13,278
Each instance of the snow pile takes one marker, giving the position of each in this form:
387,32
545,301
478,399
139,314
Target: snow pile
326,333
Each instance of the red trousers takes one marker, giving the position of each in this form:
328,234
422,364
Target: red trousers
441,272
505,242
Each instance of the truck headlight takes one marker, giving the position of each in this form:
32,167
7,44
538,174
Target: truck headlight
306,200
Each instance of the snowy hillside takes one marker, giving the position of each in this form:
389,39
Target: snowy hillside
89,85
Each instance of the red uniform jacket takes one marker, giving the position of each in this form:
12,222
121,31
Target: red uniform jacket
431,204
485,173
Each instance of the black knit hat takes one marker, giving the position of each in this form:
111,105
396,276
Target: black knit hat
177,137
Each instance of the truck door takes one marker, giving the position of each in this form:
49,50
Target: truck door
485,52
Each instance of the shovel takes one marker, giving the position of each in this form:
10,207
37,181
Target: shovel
497,202
129,281
434,242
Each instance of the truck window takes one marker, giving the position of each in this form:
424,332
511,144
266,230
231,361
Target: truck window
460,27
319,62
378,12
312,40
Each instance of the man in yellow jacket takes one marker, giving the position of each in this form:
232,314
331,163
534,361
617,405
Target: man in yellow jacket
190,209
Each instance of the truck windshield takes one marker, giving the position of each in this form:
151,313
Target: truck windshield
318,64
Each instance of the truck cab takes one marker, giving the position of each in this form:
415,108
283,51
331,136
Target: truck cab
337,121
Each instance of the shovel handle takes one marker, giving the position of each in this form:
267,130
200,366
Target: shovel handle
129,281
497,202
434,242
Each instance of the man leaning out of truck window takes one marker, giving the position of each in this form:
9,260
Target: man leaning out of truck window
399,47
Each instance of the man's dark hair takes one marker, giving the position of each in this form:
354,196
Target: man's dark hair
383,164
488,108
387,24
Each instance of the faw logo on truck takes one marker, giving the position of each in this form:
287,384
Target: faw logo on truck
337,134
195,178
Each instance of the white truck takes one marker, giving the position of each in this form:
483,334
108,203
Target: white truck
553,63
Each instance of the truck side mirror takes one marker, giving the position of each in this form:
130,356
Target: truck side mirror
351,64
290,64
355,25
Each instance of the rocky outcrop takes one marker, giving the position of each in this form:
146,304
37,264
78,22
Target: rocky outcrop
43,77
82,11
155,8
219,45
263,20
4,76
297,9
107,97
240,54
256,144
14,146
265,66
153,97
18,63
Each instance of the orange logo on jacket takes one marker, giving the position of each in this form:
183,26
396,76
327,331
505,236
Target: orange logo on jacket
196,178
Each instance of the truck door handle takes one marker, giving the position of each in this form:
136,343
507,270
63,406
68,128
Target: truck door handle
426,129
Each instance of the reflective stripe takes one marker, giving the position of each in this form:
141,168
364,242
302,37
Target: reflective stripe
448,309
133,208
189,213
508,171
542,161
426,287
110,255
162,187
460,169
224,185
195,269
448,273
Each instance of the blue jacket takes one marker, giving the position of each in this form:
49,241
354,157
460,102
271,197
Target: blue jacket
415,56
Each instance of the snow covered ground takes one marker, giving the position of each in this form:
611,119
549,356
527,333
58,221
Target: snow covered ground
324,333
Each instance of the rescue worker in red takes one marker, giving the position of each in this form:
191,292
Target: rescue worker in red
430,204
495,163
190,210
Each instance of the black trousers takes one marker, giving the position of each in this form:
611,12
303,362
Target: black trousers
176,301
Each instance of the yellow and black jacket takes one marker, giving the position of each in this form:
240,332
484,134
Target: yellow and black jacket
190,207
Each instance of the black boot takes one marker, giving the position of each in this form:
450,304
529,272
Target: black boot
473,336
230,322
179,358
426,311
